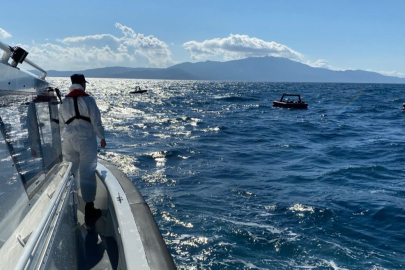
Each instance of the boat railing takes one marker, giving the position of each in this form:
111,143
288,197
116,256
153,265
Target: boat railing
7,52
32,64
36,234
7,55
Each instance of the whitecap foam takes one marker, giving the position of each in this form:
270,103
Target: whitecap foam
170,218
123,162
256,225
301,208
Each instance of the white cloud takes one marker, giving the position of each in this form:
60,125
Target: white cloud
238,47
320,63
89,40
392,73
78,53
4,34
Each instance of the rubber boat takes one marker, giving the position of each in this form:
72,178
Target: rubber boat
42,225
138,90
290,104
403,106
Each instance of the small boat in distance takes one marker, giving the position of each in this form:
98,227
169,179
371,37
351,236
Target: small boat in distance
138,90
403,106
290,103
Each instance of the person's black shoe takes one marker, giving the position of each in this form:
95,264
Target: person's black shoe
91,212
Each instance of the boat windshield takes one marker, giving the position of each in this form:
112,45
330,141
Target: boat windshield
291,98
30,130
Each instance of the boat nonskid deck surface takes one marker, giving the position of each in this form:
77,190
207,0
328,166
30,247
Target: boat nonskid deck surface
96,250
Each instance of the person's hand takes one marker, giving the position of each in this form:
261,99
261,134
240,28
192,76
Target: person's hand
103,143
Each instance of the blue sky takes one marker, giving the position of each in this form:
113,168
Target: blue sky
76,35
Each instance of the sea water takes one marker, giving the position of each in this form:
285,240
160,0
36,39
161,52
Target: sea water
235,183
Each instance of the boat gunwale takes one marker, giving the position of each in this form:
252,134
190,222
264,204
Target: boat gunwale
155,248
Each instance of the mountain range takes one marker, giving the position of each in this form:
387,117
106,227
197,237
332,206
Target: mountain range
254,69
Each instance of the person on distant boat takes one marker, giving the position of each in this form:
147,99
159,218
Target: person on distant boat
137,90
81,119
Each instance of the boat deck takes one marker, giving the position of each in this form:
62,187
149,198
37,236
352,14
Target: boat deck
96,251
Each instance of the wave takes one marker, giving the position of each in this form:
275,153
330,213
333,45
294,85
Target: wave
236,99
215,154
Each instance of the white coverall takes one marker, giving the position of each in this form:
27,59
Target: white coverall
79,140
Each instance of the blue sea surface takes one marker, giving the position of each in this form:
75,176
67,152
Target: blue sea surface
235,183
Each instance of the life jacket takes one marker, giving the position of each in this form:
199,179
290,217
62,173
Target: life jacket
76,94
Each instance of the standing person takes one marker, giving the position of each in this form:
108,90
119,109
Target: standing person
81,118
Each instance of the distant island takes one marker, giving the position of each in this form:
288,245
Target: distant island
254,69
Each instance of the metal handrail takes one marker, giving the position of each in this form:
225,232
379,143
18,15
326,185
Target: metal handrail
32,241
32,64
7,54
